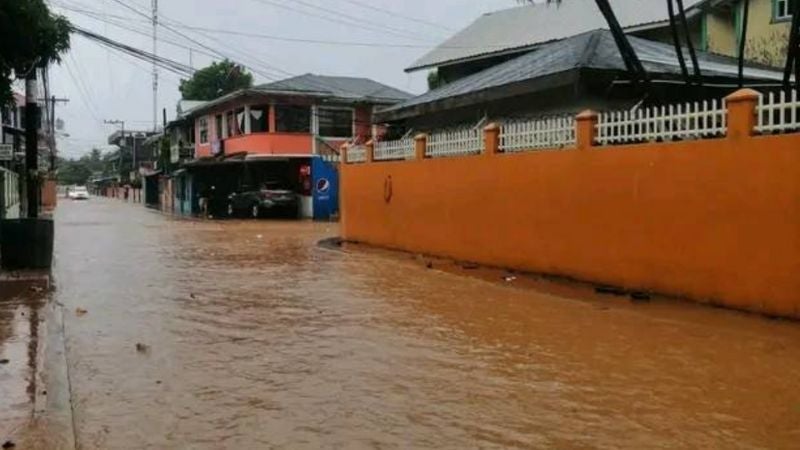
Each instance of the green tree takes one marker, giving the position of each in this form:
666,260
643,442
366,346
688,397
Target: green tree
215,81
30,36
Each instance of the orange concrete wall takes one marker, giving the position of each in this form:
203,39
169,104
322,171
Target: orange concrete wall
270,144
713,220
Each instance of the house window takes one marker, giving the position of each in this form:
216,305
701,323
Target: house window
782,9
258,119
293,119
335,122
218,126
203,125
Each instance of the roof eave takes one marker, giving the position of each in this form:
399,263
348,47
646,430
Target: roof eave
494,93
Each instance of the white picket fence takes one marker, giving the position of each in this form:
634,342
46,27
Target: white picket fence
533,134
686,121
455,142
356,154
393,150
777,114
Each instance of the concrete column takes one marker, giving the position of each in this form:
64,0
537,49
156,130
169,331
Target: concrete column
224,125
585,129
491,139
272,127
742,113
420,146
247,126
343,153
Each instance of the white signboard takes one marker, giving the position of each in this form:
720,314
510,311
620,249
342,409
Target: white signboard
6,152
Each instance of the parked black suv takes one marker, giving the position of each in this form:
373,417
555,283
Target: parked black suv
271,198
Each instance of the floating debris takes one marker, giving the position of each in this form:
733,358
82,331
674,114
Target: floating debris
80,312
640,296
9,444
509,278
4,361
142,348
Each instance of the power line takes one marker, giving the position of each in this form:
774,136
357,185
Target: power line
168,64
84,96
395,14
343,19
97,15
220,54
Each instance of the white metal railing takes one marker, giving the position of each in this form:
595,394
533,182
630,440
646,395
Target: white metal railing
455,142
776,115
533,134
396,149
663,123
356,153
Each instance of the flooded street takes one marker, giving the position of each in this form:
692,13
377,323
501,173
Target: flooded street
247,334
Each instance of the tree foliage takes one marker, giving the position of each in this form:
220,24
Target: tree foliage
216,80
78,171
30,36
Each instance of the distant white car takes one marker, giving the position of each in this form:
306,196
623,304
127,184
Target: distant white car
79,193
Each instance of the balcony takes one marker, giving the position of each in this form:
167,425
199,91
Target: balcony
270,144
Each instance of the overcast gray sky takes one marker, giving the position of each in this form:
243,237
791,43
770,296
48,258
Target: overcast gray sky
103,84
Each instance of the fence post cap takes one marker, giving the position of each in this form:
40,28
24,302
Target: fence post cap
370,142
494,126
586,114
344,146
420,137
742,95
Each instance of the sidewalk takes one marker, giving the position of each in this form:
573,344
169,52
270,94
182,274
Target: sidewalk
30,345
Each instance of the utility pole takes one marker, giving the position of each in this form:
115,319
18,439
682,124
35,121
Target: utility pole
155,68
32,144
53,100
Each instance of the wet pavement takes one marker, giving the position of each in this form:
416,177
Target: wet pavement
247,334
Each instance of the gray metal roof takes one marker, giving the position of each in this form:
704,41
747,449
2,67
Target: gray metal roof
592,50
360,89
185,106
526,26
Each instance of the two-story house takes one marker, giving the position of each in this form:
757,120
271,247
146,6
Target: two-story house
303,115
275,132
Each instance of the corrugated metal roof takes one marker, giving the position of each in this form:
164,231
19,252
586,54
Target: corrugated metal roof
526,26
592,50
340,87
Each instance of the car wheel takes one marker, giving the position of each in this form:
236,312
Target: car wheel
231,211
255,211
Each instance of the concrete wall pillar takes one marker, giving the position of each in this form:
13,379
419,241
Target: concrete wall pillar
491,139
420,146
742,113
370,151
585,129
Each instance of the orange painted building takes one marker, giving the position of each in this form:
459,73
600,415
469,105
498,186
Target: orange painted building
716,220
300,116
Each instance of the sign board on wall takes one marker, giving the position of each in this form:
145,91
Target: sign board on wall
6,152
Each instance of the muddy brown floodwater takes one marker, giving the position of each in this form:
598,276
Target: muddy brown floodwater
253,336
